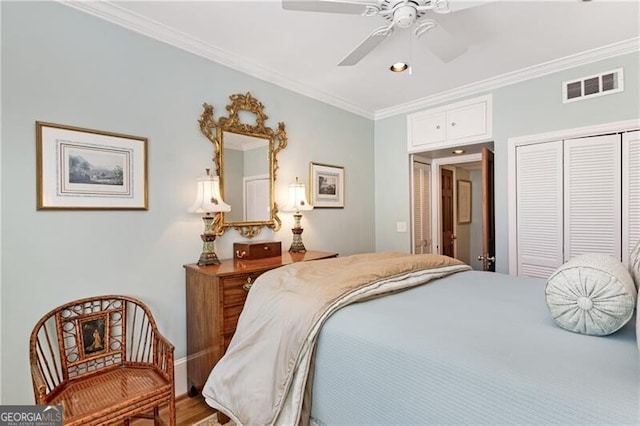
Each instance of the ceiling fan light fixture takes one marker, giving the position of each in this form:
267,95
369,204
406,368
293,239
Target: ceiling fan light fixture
404,16
399,67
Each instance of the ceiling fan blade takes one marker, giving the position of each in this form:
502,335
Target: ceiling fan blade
443,44
329,6
367,45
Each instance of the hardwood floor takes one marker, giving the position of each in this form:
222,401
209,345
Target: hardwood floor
188,411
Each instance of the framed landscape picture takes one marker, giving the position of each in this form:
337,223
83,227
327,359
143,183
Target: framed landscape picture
327,186
85,169
464,201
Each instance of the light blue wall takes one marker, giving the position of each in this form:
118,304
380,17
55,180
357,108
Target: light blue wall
393,203
63,66
530,107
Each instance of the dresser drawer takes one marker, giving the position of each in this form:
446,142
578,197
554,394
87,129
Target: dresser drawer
233,288
215,297
230,318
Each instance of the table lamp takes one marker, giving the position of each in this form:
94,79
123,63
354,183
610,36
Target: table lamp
297,202
208,201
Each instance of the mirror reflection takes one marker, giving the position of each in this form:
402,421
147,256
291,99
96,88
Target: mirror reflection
246,180
245,155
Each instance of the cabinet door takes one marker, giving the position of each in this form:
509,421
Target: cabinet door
539,208
426,128
592,196
630,193
467,122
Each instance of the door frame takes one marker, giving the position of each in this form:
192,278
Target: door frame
512,145
436,195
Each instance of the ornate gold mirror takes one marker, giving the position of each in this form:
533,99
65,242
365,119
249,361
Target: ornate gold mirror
246,159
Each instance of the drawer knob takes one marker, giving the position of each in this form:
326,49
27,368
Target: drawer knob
248,284
453,124
240,254
438,127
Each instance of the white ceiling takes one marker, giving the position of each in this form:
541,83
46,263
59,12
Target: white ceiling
507,41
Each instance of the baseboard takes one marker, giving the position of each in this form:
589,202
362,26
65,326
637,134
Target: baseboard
180,376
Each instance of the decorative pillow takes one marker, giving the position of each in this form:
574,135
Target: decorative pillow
634,264
591,294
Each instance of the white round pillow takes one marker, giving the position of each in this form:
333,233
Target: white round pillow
591,294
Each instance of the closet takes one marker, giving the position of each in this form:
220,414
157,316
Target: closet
421,184
576,196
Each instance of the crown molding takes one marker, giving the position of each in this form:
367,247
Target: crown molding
115,14
538,70
148,27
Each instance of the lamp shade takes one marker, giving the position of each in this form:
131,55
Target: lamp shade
208,198
297,198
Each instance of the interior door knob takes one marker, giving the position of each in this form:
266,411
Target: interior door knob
489,259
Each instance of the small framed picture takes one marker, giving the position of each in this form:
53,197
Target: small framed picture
464,201
94,334
85,169
326,185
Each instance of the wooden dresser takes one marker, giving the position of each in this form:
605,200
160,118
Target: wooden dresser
215,297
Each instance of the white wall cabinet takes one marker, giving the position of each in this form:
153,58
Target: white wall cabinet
464,122
576,196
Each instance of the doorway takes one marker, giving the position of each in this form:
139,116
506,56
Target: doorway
447,214
457,230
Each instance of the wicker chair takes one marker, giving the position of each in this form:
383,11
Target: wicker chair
104,361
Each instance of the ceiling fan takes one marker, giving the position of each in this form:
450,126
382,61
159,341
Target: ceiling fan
400,14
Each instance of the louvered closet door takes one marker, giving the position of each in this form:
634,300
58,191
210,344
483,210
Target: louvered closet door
592,196
630,193
539,206
421,208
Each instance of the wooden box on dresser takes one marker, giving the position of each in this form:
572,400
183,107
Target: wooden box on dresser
215,297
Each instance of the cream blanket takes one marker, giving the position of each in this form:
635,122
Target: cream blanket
261,378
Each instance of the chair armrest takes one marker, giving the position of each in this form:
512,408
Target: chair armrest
163,355
39,385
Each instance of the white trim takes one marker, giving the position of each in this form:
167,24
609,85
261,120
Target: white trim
514,142
436,194
112,13
538,70
132,21
180,376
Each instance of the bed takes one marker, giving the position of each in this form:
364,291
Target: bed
467,347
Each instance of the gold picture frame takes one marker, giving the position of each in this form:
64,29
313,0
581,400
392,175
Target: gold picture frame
86,169
464,201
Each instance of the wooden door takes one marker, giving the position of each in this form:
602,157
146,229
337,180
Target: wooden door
446,189
488,213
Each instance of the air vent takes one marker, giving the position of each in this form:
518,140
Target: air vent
592,86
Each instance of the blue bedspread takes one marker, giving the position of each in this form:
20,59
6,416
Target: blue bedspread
471,348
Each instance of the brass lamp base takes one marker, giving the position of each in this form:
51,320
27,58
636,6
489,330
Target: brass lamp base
297,246
208,255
